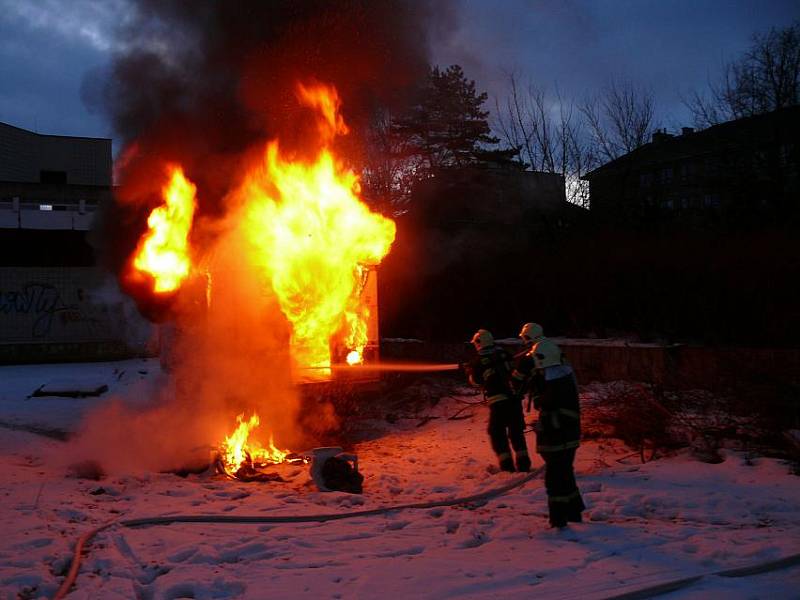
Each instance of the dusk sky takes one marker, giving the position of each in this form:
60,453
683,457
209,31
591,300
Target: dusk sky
670,46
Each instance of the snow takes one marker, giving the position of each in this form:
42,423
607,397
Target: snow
645,523
129,378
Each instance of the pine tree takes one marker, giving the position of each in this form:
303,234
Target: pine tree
447,126
444,127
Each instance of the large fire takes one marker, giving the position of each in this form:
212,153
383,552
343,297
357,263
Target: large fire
314,239
163,252
310,236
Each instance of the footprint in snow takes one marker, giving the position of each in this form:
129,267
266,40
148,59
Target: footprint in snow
218,589
350,500
255,551
412,551
477,538
352,537
182,555
37,543
149,573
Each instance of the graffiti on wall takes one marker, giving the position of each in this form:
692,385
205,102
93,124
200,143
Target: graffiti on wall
42,305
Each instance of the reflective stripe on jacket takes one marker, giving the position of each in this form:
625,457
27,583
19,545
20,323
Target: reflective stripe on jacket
559,412
491,369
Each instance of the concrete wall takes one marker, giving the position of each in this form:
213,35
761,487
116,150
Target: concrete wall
675,366
67,313
47,215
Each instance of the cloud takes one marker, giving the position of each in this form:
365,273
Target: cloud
88,22
42,63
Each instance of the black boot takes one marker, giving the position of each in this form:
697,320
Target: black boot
523,463
507,464
575,518
575,508
557,514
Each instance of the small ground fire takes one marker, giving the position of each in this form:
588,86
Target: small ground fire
238,451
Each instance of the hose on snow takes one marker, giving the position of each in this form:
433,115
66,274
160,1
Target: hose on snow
676,584
84,540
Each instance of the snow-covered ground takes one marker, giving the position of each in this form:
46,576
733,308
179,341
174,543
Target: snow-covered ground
645,524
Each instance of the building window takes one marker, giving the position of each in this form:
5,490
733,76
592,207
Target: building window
711,200
666,175
645,180
667,204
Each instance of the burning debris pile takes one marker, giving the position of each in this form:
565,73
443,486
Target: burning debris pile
239,458
238,220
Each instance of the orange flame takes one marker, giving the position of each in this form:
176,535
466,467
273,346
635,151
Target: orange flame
237,449
313,238
163,252
325,100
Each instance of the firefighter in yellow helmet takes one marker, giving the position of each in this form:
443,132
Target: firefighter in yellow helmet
543,373
491,369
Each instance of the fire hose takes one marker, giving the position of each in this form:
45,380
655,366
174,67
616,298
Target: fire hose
682,582
84,540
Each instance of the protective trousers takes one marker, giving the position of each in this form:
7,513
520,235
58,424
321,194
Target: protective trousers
507,422
563,498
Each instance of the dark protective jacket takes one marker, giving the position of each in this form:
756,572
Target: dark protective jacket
491,369
555,394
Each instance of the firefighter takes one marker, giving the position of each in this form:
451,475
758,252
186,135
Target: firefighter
550,381
491,369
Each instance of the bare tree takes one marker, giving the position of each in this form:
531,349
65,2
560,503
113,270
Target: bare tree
619,119
390,167
765,78
548,133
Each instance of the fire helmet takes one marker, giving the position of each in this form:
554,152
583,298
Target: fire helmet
531,332
546,354
482,339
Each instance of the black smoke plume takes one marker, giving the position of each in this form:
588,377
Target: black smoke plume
204,83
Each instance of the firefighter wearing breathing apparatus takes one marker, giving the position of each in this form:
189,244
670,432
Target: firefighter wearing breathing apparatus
491,369
550,382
